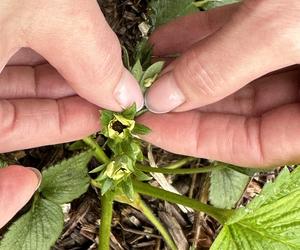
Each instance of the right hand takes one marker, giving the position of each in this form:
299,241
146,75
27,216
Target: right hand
222,51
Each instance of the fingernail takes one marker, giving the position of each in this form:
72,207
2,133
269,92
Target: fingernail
39,176
164,96
128,92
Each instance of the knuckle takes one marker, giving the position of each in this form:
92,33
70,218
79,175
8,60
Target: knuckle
7,116
200,78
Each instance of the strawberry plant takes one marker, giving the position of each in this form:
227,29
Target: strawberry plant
270,220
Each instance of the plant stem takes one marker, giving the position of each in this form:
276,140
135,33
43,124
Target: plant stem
178,171
180,163
142,206
106,217
98,151
219,214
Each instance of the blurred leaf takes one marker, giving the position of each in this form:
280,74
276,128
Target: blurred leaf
226,188
66,180
163,11
151,74
129,113
3,163
37,229
78,145
127,188
140,129
137,70
270,221
106,117
209,4
107,185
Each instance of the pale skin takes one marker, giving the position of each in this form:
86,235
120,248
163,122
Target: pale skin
225,98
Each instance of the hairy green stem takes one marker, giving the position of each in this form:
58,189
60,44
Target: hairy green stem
178,171
98,151
180,163
219,214
106,217
142,206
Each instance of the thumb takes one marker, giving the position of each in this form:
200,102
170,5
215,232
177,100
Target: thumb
78,42
17,185
246,48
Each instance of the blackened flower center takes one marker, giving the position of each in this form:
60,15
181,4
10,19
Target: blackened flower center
118,126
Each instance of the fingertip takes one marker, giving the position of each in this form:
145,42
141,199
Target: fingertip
164,96
128,92
17,185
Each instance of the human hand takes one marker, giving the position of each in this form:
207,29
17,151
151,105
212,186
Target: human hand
43,99
17,184
72,59
222,116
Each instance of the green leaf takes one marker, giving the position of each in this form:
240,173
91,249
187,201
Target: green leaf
137,70
106,117
270,221
163,11
98,169
140,129
66,180
125,57
37,229
209,4
3,163
107,185
130,112
141,176
250,171
127,188
151,74
143,52
226,188
78,145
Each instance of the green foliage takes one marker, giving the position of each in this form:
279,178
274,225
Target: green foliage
37,229
66,180
42,224
122,138
163,11
270,221
209,4
3,163
227,186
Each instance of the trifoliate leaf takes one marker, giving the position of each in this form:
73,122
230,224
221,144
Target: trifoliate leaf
130,112
163,11
38,229
140,129
66,180
227,186
270,221
137,71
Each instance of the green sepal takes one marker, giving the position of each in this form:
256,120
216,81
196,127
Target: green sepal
140,129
